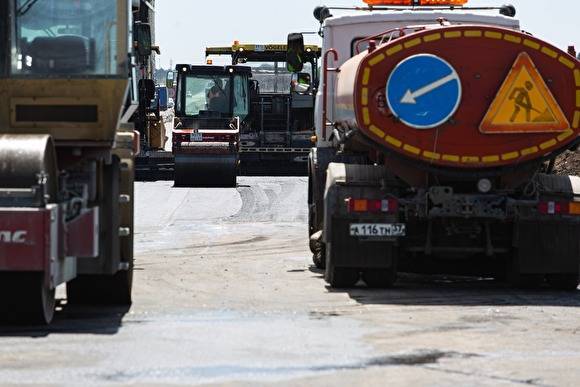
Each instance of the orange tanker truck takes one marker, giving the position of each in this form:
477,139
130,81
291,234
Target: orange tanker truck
437,131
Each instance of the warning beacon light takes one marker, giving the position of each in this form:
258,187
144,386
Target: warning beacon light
416,2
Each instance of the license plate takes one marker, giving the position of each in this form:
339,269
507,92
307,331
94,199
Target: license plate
378,230
196,137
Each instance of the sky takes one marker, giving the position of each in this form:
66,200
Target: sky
185,27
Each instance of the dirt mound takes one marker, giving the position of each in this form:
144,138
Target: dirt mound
568,164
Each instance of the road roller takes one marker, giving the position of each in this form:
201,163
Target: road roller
438,129
66,153
212,105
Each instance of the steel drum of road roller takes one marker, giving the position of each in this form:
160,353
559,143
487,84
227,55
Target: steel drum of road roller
28,177
28,161
206,165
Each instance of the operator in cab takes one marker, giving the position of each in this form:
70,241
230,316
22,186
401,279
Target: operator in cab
217,100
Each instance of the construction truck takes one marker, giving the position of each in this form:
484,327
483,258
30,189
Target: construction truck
281,123
212,105
67,153
437,127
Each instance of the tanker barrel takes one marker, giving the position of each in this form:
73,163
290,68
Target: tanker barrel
459,99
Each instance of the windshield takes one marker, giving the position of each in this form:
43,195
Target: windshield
3,37
212,96
65,37
207,94
273,77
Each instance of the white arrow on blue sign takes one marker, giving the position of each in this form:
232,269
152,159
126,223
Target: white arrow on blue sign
424,91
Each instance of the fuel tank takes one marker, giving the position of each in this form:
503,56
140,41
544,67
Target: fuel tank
462,99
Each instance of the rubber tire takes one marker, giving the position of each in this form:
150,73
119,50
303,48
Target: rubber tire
522,281
29,301
342,277
565,282
101,289
527,281
380,278
318,259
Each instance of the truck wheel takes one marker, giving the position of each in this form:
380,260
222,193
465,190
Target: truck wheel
101,289
521,280
380,278
566,282
318,259
31,301
527,281
341,277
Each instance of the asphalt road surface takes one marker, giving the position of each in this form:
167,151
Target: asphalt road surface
225,294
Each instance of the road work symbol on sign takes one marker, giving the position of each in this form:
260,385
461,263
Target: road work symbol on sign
524,104
424,91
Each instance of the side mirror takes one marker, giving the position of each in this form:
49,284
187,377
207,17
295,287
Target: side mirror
143,39
295,53
322,13
170,80
508,10
146,90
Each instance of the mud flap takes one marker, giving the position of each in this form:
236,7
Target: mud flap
548,247
551,246
342,250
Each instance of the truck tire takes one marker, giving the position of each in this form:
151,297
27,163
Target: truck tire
565,282
380,278
526,281
341,277
318,258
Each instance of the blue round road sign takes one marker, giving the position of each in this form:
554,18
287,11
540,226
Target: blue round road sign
424,91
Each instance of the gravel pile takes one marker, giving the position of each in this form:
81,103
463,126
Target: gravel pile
568,164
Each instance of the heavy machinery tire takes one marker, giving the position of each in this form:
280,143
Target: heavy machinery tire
101,289
341,277
520,280
527,281
380,278
566,282
318,258
28,300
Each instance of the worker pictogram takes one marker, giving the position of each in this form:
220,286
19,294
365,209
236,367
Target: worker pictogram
524,103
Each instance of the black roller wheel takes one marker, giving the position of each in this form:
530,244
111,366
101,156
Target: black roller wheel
101,289
28,300
379,278
566,282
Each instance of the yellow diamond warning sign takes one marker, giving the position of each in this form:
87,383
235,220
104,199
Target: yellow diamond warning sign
524,104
